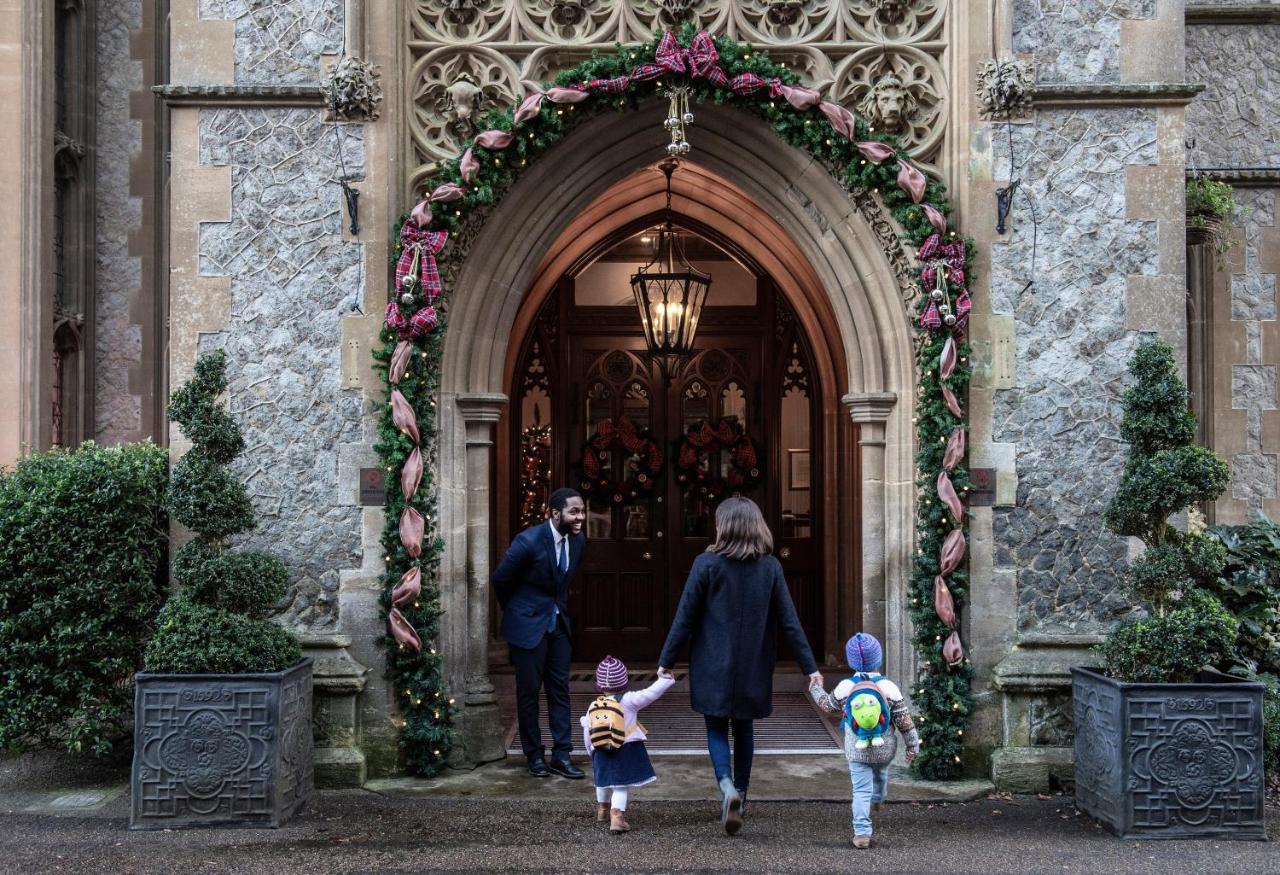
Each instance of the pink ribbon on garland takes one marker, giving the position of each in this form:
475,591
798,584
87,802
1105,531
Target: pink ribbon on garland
911,180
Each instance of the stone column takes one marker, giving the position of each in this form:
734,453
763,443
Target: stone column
870,411
479,723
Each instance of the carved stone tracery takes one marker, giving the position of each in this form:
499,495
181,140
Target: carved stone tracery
469,56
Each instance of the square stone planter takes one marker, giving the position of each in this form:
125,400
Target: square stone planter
1165,761
221,749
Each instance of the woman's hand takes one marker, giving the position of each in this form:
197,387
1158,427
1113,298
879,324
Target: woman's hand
664,672
910,755
815,680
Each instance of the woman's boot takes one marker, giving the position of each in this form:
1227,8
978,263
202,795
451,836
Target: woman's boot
731,807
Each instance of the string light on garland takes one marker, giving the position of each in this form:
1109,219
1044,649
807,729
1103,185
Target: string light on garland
706,68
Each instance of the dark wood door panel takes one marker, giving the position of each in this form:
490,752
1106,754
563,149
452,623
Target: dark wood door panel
639,552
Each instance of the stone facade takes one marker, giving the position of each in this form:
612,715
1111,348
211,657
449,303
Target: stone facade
118,271
1233,122
290,270
1232,133
1074,42
280,43
1072,350
261,262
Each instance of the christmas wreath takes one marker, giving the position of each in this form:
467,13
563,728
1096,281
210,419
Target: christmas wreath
644,463
726,436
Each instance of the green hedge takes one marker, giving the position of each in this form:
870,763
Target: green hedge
83,536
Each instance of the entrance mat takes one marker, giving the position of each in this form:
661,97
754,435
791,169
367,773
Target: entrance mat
796,726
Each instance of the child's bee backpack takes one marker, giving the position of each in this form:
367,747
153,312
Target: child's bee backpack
605,724
865,708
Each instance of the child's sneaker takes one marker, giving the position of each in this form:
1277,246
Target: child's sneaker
861,744
877,741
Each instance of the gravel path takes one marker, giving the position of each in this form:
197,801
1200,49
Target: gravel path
357,832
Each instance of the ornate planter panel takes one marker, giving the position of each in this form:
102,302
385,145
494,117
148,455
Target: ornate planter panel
1170,760
221,750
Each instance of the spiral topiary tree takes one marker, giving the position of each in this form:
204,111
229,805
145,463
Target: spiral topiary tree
1165,474
216,620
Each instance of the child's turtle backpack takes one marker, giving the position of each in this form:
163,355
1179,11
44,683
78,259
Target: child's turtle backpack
605,724
865,710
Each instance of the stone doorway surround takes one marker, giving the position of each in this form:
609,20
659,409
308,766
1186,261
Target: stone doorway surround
848,283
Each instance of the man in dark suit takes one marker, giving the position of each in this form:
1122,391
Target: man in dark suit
532,585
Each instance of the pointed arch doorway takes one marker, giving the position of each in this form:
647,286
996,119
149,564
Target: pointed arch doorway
578,366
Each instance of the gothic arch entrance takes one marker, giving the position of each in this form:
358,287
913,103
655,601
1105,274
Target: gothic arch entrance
581,370
836,258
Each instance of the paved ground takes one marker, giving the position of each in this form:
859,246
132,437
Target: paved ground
364,831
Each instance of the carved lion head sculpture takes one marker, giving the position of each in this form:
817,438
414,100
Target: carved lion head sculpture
888,104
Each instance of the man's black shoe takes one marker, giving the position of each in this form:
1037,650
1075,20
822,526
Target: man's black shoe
566,769
538,769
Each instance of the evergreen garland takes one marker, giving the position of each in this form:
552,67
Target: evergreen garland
941,696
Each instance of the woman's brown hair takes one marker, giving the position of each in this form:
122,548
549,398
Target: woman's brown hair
741,532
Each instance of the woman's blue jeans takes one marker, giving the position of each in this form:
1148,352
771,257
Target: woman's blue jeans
743,749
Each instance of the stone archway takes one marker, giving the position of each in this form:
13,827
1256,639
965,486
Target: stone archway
849,281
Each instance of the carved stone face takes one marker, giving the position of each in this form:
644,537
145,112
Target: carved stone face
567,12
892,11
460,11
888,104
464,93
677,10
785,12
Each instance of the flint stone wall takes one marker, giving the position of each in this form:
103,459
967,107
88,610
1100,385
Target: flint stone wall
1071,352
290,273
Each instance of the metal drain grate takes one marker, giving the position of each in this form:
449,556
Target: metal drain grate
675,729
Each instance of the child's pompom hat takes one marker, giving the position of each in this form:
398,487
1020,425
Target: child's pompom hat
611,675
863,652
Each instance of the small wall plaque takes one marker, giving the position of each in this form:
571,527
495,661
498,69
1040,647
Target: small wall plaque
373,490
983,493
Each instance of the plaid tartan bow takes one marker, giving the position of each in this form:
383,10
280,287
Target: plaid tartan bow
951,257
700,59
416,325
417,262
933,250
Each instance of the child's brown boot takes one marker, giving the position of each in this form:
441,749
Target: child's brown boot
602,812
617,822
862,841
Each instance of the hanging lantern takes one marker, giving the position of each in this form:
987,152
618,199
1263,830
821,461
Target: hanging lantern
670,294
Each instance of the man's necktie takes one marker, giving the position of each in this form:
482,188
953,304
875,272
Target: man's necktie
564,557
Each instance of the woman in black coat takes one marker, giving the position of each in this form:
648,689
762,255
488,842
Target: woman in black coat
733,603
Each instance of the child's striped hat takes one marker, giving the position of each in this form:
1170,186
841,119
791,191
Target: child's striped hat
611,675
863,652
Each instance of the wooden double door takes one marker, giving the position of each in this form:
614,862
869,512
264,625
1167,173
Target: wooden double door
751,376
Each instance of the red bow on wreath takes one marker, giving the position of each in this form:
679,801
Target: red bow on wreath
727,436
614,434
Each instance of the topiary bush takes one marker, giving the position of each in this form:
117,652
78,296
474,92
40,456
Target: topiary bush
1171,649
216,621
1165,474
84,533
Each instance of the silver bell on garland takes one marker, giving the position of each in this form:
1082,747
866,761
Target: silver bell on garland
406,298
